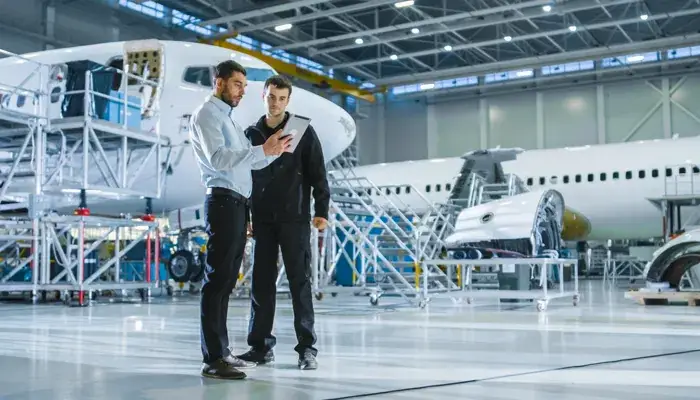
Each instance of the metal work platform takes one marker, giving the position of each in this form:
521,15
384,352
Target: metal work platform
681,190
74,133
538,268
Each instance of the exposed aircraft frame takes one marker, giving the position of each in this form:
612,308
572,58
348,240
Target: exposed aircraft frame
63,164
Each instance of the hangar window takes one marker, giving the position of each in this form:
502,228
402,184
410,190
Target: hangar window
616,175
578,178
641,174
654,173
628,175
529,181
258,74
603,176
590,177
198,76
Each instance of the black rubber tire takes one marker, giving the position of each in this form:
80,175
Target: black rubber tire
175,266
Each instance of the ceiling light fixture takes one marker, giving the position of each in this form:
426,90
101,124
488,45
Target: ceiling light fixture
572,28
284,27
415,31
507,38
448,47
547,8
402,4
393,56
359,41
644,17
427,86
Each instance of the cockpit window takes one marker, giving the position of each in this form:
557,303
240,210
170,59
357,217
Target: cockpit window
198,76
258,74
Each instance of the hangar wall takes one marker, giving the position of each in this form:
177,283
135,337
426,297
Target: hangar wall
606,113
34,25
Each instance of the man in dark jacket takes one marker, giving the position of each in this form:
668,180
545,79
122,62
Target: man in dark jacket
280,206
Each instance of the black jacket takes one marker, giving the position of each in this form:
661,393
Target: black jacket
282,190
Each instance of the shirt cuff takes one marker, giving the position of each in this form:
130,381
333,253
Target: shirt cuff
258,153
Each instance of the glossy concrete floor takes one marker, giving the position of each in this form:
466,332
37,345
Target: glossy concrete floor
607,348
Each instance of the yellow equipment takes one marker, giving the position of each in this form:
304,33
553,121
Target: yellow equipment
294,70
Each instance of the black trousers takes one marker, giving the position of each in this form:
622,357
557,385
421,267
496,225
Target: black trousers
293,239
226,221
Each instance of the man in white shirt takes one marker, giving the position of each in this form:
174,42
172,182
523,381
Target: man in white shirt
225,158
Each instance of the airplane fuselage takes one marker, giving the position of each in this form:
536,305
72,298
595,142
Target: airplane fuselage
186,83
610,185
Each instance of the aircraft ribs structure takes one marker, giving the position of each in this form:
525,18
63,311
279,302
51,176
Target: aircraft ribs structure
73,136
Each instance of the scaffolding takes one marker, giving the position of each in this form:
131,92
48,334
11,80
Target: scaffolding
70,140
377,238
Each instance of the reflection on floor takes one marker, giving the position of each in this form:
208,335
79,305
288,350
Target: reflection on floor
594,351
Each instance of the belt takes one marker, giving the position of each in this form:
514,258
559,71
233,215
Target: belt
228,192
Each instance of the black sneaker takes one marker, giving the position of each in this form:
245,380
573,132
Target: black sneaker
308,361
220,369
258,357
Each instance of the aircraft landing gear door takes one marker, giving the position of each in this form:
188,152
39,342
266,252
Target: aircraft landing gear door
145,59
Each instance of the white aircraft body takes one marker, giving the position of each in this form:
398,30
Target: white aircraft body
606,188
186,80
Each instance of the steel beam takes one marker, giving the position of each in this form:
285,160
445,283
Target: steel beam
532,62
522,38
316,15
294,70
414,24
288,5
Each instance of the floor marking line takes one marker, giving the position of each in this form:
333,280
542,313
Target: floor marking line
577,366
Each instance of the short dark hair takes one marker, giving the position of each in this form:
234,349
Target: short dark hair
279,81
227,68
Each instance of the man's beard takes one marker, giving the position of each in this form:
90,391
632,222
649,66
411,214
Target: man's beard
228,100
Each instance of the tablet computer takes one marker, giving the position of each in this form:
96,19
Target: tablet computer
295,126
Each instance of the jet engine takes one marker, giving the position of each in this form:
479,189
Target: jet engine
523,225
670,262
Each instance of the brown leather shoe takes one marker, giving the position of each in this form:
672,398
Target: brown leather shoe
220,369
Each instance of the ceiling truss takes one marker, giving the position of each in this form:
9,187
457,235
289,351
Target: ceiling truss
432,39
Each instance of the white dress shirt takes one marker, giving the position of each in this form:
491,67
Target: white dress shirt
224,154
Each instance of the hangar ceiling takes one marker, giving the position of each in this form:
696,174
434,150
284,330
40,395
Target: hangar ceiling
390,42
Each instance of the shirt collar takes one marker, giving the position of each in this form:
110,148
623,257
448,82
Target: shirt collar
225,108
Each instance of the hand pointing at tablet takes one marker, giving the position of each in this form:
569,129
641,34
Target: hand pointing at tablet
274,145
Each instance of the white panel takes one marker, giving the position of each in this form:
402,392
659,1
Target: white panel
369,135
406,126
457,127
627,104
513,121
685,108
570,117
16,43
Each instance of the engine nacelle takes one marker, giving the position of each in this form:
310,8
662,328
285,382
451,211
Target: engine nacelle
671,261
529,223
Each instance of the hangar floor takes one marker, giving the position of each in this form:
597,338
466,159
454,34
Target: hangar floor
607,348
